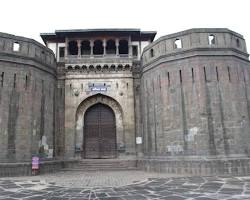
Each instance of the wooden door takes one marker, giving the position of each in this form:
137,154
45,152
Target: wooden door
99,132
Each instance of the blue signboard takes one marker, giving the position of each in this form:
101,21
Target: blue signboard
98,87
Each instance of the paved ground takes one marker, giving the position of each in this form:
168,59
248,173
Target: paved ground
134,185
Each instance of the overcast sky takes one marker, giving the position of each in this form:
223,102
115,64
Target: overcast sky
29,18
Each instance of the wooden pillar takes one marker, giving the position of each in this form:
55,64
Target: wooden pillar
117,46
79,48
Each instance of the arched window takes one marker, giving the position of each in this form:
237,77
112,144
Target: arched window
91,68
98,68
177,44
119,68
70,67
85,47
152,54
211,39
111,48
77,67
127,67
72,48
238,43
84,68
105,68
98,47
123,47
112,68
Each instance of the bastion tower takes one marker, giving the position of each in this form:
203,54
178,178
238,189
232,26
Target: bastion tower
195,97
27,99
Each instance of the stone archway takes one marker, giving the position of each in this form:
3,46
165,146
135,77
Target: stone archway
87,103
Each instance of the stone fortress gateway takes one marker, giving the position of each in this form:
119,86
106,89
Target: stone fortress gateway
178,104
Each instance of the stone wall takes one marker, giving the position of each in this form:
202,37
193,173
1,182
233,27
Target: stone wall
24,168
197,167
27,92
195,98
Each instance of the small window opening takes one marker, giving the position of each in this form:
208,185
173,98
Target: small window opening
14,81
61,92
229,75
116,85
73,48
192,74
61,52
2,79
127,85
70,86
152,54
238,43
135,50
211,39
217,73
16,46
98,47
168,79
123,47
111,47
82,86
26,82
180,76
85,48
205,75
177,44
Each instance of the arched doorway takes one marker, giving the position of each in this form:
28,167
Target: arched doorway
99,132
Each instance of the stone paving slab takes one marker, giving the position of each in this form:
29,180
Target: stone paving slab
146,187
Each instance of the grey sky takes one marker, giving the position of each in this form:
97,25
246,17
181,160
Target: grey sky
30,17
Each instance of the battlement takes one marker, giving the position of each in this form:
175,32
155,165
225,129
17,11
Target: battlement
25,48
202,39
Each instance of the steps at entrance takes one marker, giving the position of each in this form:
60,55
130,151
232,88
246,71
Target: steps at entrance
102,165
